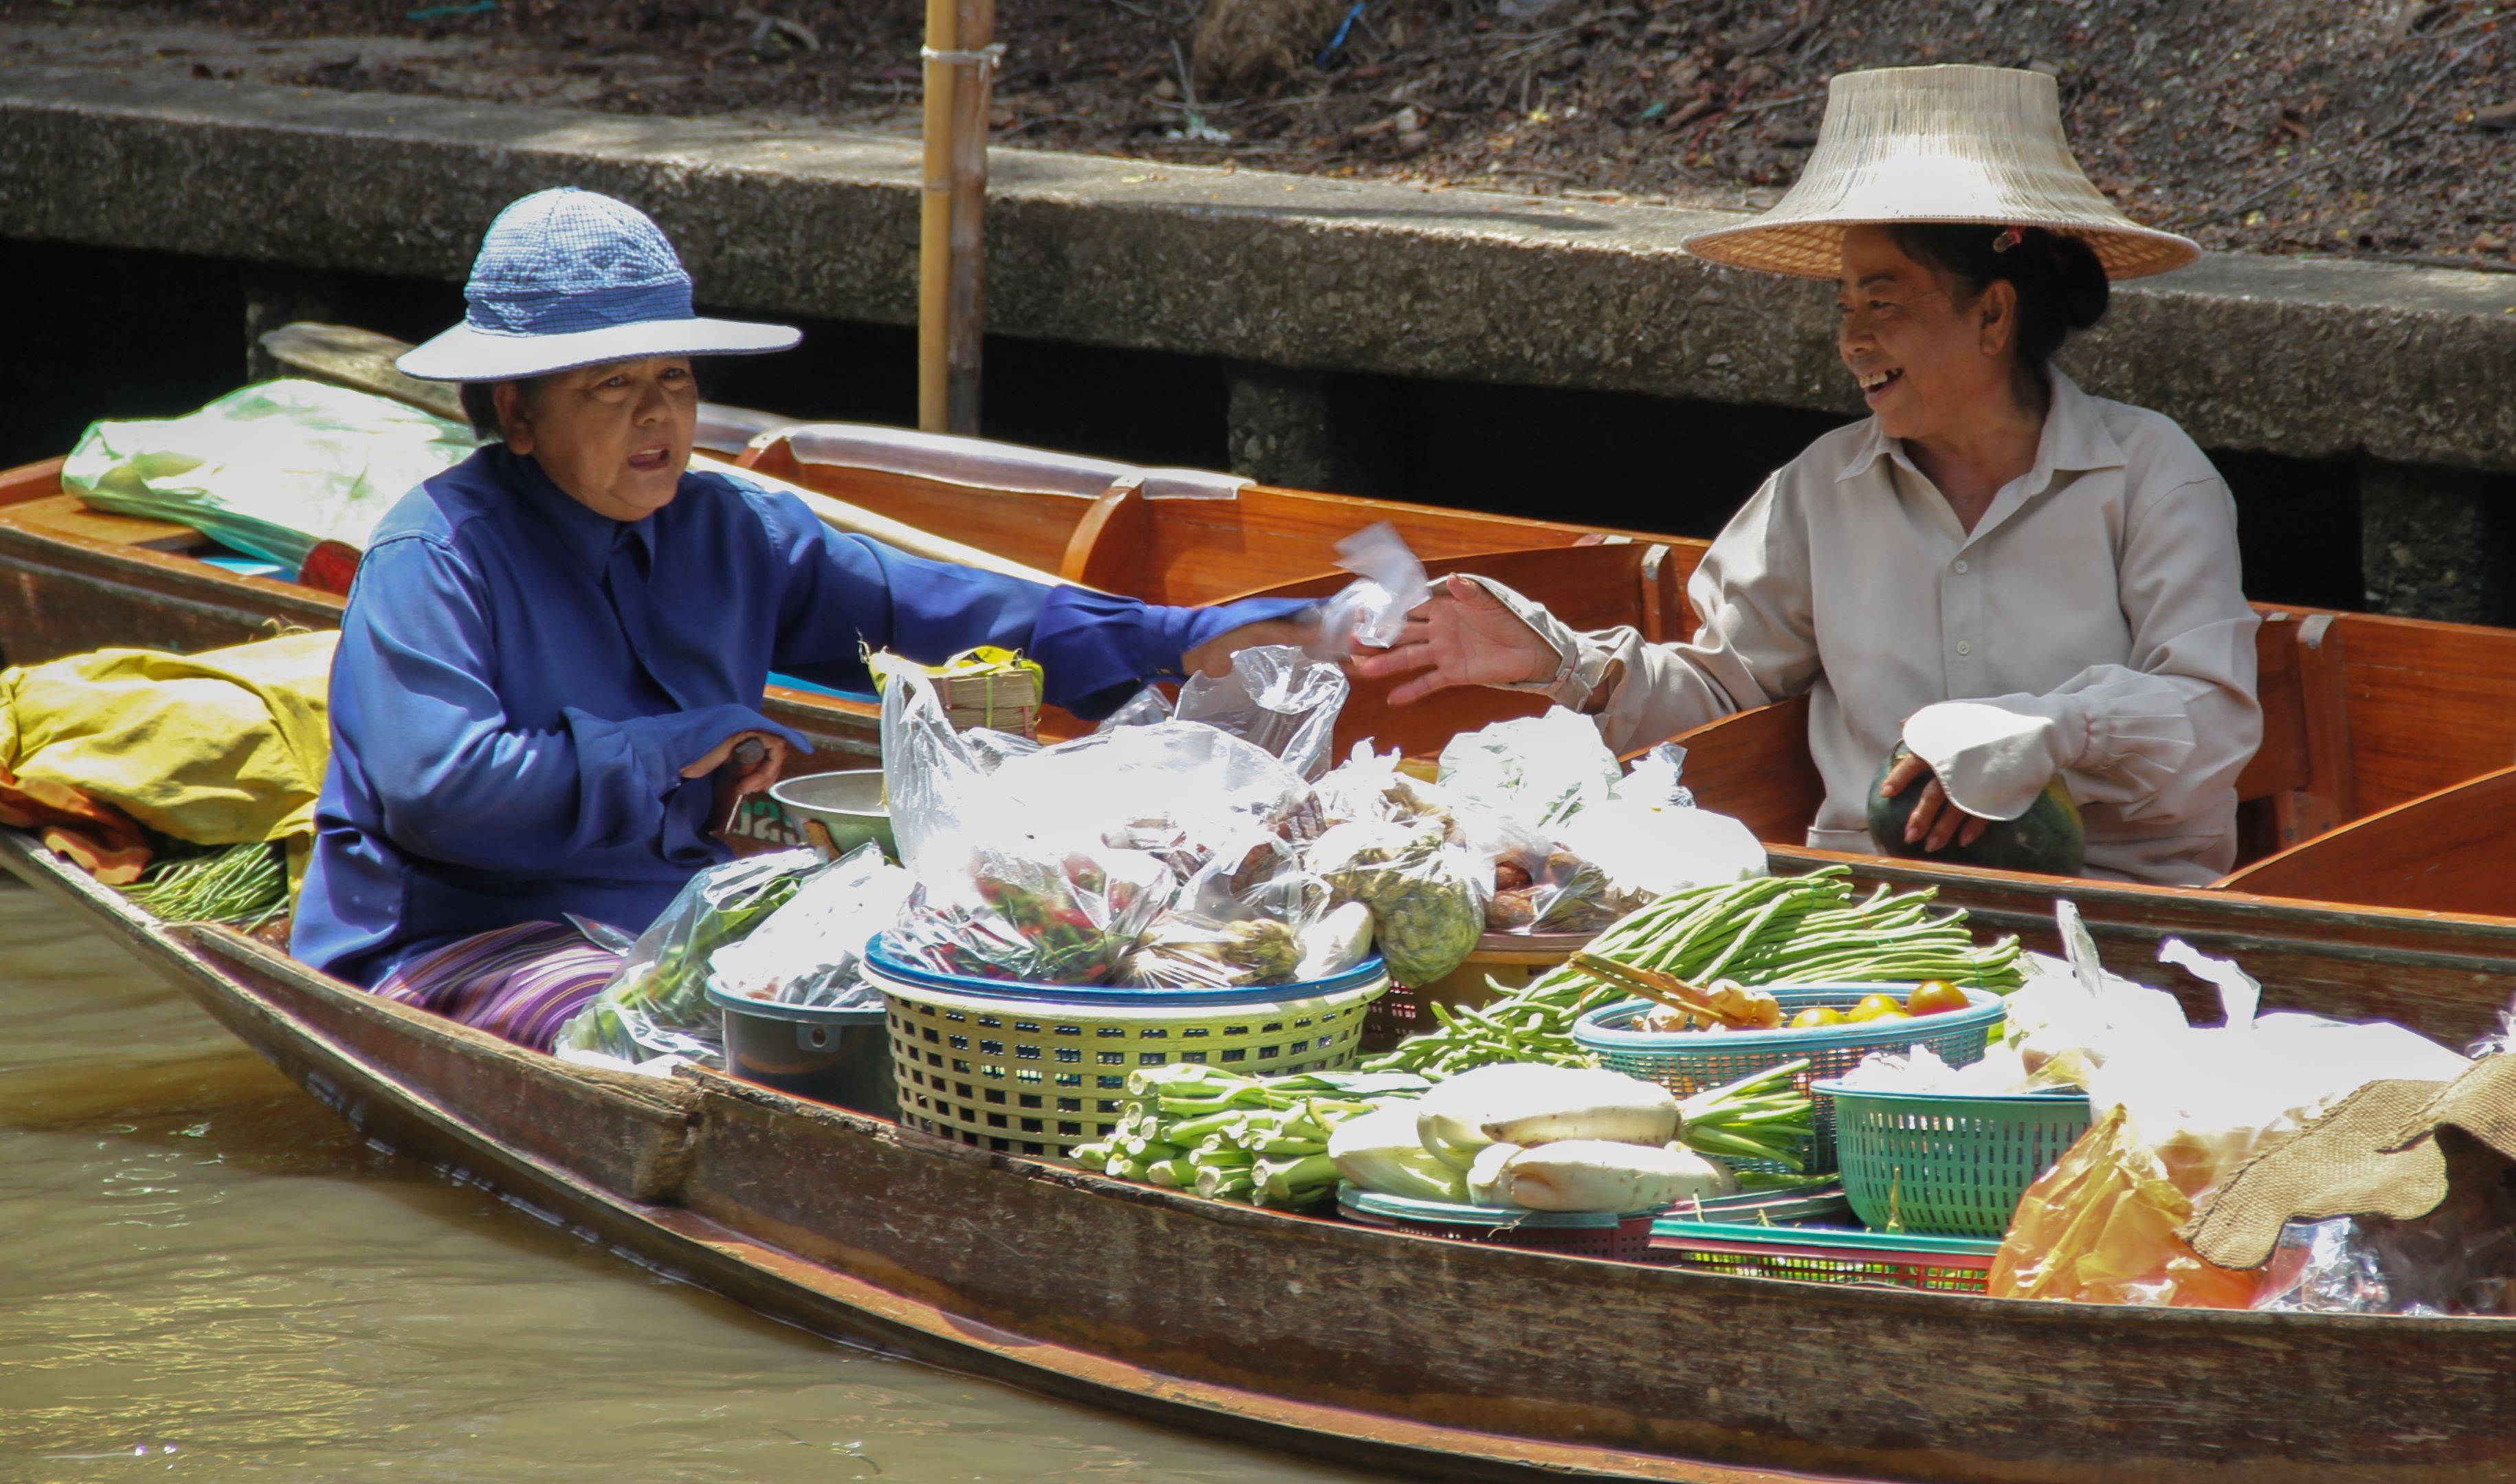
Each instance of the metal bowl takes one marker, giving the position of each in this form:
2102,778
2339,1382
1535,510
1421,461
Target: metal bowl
849,806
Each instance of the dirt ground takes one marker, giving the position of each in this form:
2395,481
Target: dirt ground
2371,129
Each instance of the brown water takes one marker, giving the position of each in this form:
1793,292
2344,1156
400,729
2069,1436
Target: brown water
204,1273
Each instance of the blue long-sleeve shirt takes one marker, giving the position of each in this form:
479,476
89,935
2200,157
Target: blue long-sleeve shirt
521,680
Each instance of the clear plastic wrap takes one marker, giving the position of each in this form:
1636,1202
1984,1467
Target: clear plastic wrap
1647,850
1026,910
2205,1098
810,950
1389,584
656,1001
1370,786
1240,920
1276,699
1181,790
1537,771
1427,895
1540,885
1653,778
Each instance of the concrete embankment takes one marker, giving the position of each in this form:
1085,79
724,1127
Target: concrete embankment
2406,373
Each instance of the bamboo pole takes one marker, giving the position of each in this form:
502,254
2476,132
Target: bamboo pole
952,245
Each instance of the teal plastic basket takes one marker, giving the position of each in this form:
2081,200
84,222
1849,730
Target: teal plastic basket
1949,1164
1686,1062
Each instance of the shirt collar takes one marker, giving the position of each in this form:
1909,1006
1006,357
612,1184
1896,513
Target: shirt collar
586,534
2074,438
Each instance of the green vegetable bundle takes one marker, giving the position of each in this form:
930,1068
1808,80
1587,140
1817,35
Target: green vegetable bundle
1762,1116
1263,1140
657,1000
1766,931
244,885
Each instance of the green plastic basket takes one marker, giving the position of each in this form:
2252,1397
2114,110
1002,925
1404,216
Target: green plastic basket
1686,1062
1948,1164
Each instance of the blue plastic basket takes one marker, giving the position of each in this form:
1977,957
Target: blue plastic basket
1687,1063
1952,1163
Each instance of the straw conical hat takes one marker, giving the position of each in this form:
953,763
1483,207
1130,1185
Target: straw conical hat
1939,144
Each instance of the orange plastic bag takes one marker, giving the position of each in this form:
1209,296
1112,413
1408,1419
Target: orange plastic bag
2100,1227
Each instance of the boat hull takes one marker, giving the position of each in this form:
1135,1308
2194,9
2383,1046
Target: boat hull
1368,1347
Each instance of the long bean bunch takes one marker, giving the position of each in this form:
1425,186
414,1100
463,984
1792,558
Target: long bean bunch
244,884
1766,931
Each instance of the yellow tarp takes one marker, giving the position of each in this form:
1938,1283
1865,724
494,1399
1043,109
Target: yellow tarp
221,747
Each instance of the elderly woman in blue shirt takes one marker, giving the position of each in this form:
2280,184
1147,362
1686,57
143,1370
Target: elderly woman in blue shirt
552,647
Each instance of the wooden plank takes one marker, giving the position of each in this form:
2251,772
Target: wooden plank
1108,548
362,360
2324,800
2445,852
2428,705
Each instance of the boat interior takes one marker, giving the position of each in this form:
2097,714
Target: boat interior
2386,778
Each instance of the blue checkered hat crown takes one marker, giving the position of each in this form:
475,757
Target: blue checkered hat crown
565,261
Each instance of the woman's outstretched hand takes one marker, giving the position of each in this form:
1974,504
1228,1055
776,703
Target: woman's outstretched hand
1461,636
1935,822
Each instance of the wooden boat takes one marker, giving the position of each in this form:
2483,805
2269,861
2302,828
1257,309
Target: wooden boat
2373,814
1368,1347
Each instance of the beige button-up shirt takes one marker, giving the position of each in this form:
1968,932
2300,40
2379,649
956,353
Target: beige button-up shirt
2099,592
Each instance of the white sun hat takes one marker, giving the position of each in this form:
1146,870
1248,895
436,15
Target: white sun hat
1939,144
569,279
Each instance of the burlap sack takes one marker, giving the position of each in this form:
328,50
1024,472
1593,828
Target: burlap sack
2393,1150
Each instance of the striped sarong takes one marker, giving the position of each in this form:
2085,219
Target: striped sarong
519,982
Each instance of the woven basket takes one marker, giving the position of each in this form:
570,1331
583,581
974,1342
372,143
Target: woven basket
1039,1068
1952,1165
1687,1063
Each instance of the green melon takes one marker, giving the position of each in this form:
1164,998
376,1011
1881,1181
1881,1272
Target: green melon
2046,838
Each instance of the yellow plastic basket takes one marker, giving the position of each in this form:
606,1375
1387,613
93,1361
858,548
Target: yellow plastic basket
1039,1068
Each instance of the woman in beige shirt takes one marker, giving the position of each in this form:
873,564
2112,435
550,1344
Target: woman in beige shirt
2013,577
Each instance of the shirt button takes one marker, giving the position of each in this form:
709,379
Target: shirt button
1960,566
1965,648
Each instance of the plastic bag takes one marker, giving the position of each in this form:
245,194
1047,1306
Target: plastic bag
1335,942
810,950
2001,1073
1537,771
1180,789
1647,850
1389,584
1539,886
273,470
2068,1016
1653,778
656,1001
1427,895
1028,910
1276,699
2203,1099
1370,787
2101,1227
1189,951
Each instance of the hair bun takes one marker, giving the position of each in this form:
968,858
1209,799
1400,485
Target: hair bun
2080,285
